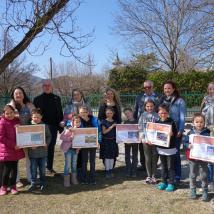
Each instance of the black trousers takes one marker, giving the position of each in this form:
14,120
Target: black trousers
9,173
51,147
168,168
1,171
142,156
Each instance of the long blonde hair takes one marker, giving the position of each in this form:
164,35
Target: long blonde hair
116,96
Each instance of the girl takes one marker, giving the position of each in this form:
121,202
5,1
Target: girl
109,149
70,153
9,153
177,111
207,109
167,155
151,156
199,129
88,121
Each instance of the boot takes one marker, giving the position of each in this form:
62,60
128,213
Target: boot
67,181
74,179
205,195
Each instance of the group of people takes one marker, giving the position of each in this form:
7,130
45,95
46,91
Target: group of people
169,108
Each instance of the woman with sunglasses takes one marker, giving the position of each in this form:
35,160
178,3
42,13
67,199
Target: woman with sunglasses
177,111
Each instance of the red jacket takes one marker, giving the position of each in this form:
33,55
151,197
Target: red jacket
8,141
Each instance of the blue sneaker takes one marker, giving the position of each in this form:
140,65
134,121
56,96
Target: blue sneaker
170,188
161,186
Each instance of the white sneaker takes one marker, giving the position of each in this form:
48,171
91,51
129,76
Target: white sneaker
211,187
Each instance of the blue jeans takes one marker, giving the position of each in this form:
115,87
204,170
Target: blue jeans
70,161
34,164
210,172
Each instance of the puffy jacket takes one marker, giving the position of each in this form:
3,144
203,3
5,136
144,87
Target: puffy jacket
66,137
8,141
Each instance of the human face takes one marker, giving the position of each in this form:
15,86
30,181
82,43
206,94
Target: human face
77,123
210,89
199,123
77,96
129,114
83,113
110,95
109,114
36,118
47,87
149,107
18,96
168,90
163,114
9,114
148,89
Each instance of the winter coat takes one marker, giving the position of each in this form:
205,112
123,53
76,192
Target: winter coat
8,141
66,137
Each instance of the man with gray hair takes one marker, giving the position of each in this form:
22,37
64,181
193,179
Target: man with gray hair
148,94
50,105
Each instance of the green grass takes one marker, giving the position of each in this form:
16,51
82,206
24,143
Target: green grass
118,195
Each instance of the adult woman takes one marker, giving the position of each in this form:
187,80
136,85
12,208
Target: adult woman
23,108
177,111
111,99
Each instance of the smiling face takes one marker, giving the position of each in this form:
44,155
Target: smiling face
18,96
109,114
163,114
210,89
77,122
148,88
47,87
149,107
110,95
168,90
9,114
199,123
36,118
77,96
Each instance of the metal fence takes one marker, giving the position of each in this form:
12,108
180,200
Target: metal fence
193,101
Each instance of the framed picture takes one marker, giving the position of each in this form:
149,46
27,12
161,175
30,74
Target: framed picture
158,134
30,136
127,133
85,138
202,148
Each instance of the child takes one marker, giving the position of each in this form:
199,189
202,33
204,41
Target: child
9,153
207,108
70,153
38,155
199,129
109,148
86,122
167,155
150,152
131,168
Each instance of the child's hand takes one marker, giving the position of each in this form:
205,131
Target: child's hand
17,148
190,146
62,124
114,125
33,148
77,151
149,143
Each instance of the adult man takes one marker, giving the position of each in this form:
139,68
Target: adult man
139,109
50,105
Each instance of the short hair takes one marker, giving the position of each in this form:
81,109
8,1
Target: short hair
110,109
127,109
85,107
36,111
8,107
149,101
198,115
163,106
149,81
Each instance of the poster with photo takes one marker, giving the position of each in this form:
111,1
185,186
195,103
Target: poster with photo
202,148
158,134
85,138
127,133
30,136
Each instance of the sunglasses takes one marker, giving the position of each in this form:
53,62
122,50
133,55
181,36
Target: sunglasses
147,87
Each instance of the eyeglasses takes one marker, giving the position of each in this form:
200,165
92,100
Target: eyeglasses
147,87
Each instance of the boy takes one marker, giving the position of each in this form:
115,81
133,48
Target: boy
131,168
38,155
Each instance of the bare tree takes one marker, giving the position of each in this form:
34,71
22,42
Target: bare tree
169,28
27,20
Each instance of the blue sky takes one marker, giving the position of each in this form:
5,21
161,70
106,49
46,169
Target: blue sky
96,14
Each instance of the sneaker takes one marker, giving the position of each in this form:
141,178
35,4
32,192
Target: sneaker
211,187
205,195
153,180
3,191
162,186
148,180
193,194
14,191
19,184
31,187
170,188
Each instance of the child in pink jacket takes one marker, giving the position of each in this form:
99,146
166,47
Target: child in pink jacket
9,153
70,153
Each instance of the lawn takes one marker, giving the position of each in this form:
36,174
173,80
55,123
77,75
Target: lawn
118,195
